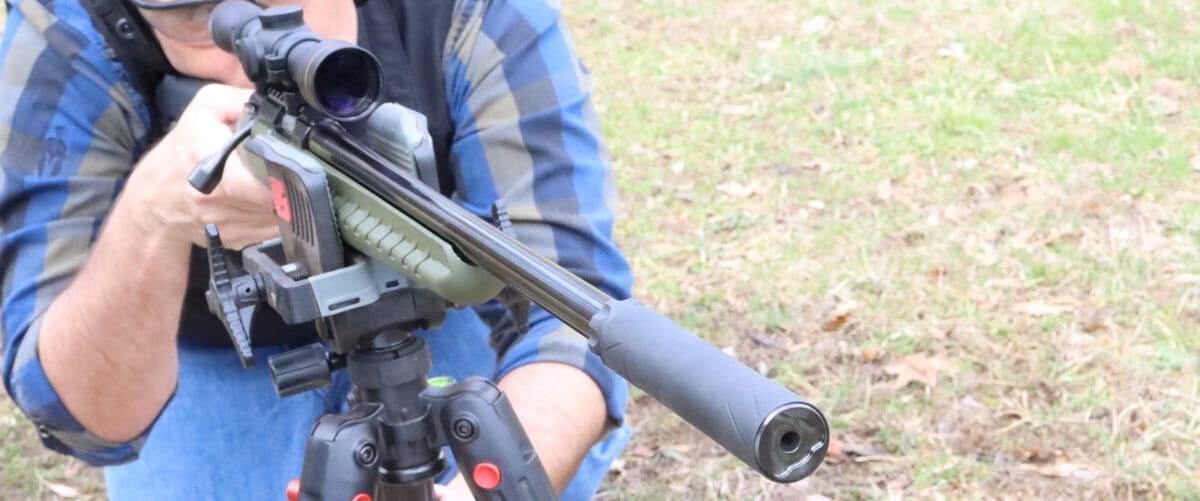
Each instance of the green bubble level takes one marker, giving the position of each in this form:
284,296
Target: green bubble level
440,381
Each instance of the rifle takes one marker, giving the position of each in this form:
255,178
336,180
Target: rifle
369,253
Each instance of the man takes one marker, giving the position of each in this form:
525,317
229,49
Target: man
106,345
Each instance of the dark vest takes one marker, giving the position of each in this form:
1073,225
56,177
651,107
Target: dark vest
408,37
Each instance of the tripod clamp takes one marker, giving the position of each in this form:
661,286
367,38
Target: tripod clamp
236,291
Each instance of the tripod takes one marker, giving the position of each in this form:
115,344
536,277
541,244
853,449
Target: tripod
389,445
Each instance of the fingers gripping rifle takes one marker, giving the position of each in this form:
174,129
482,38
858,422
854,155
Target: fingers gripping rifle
316,111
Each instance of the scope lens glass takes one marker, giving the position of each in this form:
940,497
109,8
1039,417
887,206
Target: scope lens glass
346,83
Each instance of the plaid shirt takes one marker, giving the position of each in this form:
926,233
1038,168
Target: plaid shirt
72,127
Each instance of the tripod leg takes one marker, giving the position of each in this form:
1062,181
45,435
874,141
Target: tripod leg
493,452
341,459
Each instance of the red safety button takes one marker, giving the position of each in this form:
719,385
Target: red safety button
486,475
293,490
361,497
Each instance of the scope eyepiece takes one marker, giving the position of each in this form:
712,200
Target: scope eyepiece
335,78
228,21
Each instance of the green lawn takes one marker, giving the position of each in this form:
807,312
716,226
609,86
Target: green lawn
994,199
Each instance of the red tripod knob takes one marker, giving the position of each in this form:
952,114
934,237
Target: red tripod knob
293,490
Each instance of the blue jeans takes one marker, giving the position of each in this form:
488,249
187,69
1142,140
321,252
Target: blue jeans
227,435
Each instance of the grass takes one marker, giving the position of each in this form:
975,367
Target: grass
938,167
827,188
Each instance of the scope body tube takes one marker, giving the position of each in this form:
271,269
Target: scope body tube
754,418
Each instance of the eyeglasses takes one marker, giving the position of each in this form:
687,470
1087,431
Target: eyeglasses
187,20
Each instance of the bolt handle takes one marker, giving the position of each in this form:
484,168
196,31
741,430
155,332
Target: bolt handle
491,449
206,175
233,295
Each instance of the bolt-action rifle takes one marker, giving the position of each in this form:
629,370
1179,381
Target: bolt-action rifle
369,253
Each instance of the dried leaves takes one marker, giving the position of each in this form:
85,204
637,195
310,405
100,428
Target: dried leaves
1005,89
1063,467
815,24
955,50
740,190
838,316
853,447
1166,96
917,367
887,190
1060,305
61,490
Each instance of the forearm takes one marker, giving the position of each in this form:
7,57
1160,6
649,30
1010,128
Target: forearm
562,411
107,343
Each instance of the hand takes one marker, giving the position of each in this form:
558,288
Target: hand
166,205
456,490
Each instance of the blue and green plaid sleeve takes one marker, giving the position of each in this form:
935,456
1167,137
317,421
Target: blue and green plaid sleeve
70,127
527,134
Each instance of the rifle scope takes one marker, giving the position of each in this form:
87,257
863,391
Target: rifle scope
275,47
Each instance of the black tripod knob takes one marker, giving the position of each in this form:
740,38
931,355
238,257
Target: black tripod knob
299,370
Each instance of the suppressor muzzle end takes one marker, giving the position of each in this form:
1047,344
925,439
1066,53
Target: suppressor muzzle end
791,443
